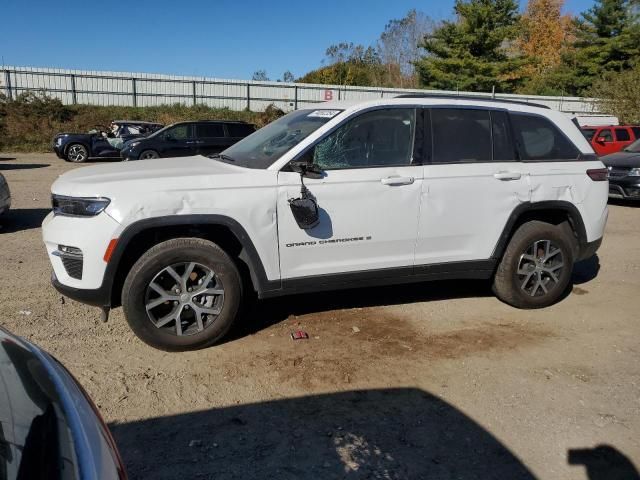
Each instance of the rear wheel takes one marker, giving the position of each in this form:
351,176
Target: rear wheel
182,294
536,267
77,153
146,154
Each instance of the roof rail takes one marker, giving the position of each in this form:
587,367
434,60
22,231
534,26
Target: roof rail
468,97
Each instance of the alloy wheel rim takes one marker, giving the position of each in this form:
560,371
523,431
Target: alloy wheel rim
540,268
149,155
184,298
77,153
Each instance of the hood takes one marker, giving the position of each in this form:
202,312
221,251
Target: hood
156,176
622,159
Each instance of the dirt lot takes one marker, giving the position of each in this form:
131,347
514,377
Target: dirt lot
437,380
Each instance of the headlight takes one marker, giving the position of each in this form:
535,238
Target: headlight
133,144
59,141
78,207
634,172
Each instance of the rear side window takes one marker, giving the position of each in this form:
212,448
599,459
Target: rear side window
636,131
461,135
207,130
239,130
622,135
538,138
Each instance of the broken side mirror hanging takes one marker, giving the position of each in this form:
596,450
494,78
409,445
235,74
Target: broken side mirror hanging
305,209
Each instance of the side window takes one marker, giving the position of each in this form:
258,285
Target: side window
622,135
605,135
132,130
209,130
179,132
461,135
374,139
538,138
636,132
239,129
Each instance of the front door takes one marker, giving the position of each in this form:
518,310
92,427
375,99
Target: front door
368,198
179,141
471,185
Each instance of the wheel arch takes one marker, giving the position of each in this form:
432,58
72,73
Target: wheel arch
556,212
138,237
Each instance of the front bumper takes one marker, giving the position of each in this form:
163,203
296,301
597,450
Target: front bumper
627,188
97,297
59,151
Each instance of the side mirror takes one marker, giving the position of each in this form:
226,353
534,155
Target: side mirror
601,139
306,168
305,211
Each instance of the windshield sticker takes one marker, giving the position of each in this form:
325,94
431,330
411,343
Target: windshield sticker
324,113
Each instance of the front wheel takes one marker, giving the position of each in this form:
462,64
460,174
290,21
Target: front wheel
77,153
182,294
536,267
148,154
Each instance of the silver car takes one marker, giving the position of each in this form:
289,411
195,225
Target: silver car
5,195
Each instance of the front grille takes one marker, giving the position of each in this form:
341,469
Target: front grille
618,172
73,265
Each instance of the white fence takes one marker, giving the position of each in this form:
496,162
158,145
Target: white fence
142,89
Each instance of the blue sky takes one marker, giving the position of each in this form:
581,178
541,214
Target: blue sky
219,38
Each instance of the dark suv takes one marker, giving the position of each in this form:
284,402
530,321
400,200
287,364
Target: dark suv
187,138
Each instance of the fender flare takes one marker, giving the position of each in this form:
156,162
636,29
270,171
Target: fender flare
248,255
568,208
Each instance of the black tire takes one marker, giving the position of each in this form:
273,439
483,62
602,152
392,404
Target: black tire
518,275
148,154
172,252
77,153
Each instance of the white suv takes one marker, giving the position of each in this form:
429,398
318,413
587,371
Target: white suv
338,196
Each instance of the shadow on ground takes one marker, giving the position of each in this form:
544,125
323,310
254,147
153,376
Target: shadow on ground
2,159
604,462
262,314
388,434
22,166
624,203
16,220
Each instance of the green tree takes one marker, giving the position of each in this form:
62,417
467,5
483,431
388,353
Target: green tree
260,76
619,95
607,40
472,52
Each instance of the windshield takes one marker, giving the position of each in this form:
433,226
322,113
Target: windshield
588,133
262,148
634,147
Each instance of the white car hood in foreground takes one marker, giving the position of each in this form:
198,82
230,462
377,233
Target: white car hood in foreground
167,186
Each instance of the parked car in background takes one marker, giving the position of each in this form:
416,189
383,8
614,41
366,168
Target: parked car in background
624,172
100,142
49,427
5,195
611,138
184,139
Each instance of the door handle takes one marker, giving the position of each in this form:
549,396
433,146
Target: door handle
507,175
392,181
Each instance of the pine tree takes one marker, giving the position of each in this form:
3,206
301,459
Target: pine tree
472,53
607,40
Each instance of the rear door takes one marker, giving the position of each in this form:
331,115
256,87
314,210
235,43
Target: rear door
472,182
623,137
210,138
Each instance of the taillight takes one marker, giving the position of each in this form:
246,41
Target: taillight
598,174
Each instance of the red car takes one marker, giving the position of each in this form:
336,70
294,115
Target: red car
611,138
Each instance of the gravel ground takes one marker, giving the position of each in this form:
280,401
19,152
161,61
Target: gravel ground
436,380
